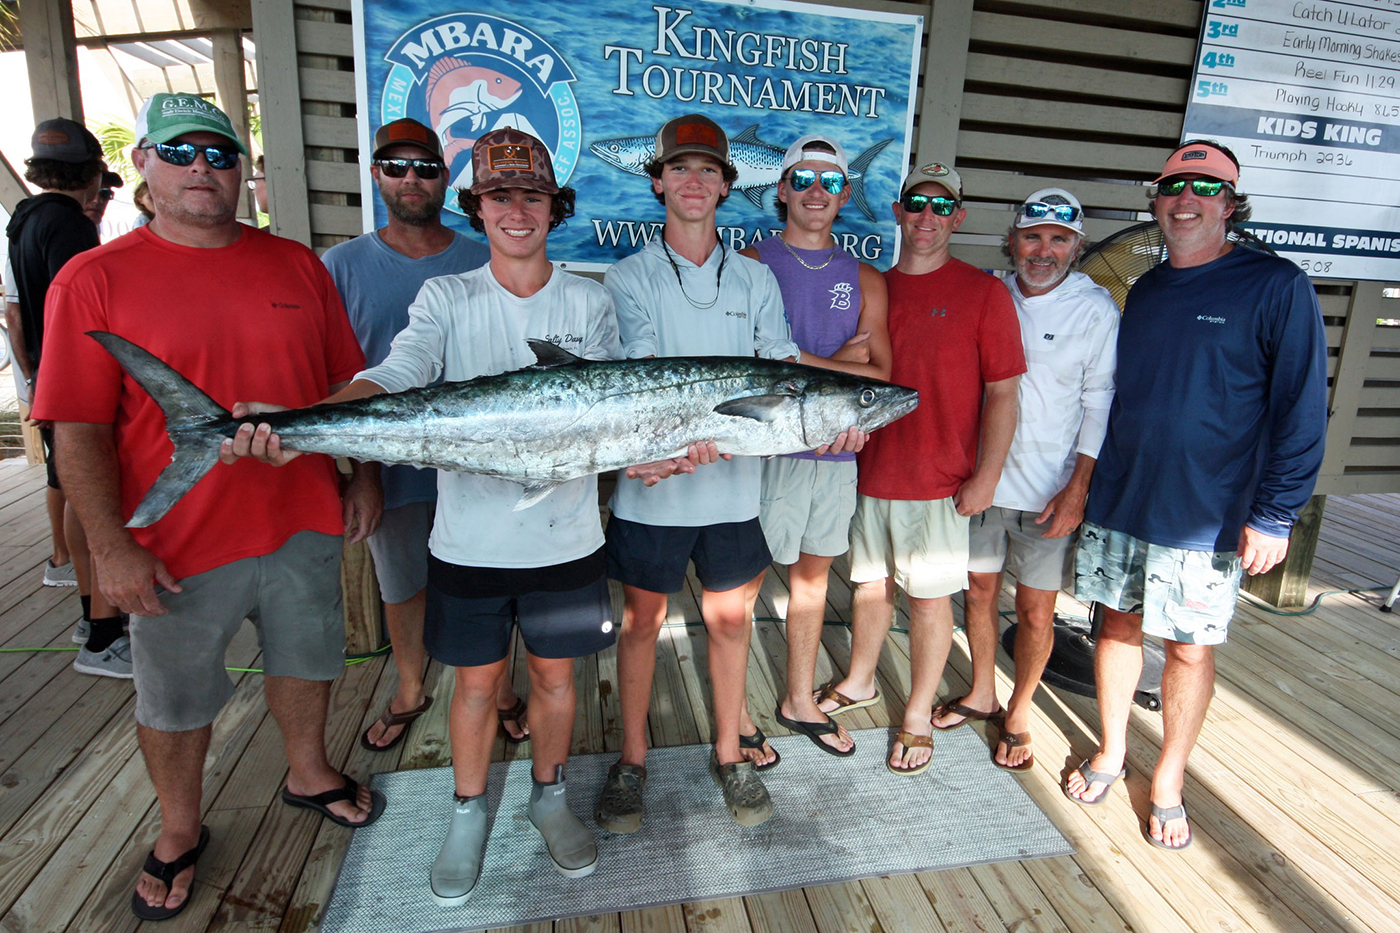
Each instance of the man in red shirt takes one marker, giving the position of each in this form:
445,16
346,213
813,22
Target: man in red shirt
955,338
241,313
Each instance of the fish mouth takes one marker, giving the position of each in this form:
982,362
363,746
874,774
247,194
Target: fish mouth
899,403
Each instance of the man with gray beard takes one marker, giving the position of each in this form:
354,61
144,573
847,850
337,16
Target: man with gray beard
378,276
1069,327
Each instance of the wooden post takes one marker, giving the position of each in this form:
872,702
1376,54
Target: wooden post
279,98
1287,584
51,57
945,70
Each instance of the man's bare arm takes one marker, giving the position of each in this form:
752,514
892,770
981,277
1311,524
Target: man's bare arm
87,466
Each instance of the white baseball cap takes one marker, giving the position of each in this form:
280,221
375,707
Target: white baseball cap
798,152
1051,206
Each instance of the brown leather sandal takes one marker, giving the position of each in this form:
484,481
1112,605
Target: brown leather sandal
1013,740
844,704
912,740
967,713
391,719
515,714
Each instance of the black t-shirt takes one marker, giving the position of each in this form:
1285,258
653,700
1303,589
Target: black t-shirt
45,232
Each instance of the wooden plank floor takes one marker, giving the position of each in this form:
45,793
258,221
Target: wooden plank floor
1294,788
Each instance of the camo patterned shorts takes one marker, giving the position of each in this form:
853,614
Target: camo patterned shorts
1183,595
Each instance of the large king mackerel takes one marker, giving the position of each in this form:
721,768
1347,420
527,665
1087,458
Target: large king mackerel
558,420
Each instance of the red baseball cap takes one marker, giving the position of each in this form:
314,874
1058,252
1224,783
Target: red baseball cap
1198,158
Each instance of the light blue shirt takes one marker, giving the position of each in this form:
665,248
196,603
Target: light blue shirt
675,310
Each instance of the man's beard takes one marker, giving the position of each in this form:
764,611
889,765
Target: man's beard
423,215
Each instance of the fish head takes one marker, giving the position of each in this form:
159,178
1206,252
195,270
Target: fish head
834,401
630,154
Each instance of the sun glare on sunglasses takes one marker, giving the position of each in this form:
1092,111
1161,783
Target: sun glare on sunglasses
1036,210
218,157
1204,187
803,178
426,169
915,204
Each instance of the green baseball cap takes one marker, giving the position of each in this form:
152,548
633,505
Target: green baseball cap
166,116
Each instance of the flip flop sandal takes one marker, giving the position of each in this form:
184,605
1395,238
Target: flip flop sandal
321,803
1164,814
911,740
165,872
391,719
1091,777
967,713
1013,740
844,704
815,731
756,741
515,714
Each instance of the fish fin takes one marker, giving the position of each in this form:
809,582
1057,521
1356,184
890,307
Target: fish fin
755,195
549,355
749,135
857,175
534,492
191,419
758,407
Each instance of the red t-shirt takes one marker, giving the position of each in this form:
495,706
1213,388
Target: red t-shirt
256,321
951,331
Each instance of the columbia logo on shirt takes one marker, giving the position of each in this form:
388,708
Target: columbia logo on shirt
1210,319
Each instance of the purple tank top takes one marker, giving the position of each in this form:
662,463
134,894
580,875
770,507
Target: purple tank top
822,305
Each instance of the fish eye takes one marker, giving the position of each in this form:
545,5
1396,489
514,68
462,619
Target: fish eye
867,398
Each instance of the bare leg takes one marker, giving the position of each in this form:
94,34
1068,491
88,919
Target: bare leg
552,704
175,761
55,501
930,637
1187,682
299,706
1035,637
405,624
980,622
728,619
471,723
643,613
872,614
1117,669
805,616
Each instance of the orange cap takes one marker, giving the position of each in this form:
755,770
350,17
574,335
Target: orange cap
1201,159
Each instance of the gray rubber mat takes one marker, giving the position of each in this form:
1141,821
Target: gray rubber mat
835,820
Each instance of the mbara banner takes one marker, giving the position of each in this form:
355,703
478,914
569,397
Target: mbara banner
596,80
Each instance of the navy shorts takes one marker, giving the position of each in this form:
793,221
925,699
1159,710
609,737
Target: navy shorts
476,631
653,557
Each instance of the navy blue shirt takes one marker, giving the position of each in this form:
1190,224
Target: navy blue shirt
1220,412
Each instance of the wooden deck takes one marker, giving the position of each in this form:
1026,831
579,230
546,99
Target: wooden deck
1294,788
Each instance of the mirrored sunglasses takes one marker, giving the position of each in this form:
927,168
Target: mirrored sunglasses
915,204
1204,187
1037,210
252,183
426,169
221,158
803,178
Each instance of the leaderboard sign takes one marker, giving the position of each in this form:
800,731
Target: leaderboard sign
595,81
1307,94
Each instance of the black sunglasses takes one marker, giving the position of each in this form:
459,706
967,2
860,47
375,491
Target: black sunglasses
104,194
915,204
221,158
426,169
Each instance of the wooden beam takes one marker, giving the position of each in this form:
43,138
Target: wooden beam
945,69
232,94
1287,584
12,186
279,98
51,56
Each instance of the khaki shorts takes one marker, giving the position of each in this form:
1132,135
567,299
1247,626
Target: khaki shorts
921,544
1010,540
807,507
1183,595
400,551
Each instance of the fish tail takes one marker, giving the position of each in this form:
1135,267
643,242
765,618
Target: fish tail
858,169
191,420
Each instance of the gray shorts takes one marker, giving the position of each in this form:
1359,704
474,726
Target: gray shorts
400,551
1009,539
292,596
807,506
1183,595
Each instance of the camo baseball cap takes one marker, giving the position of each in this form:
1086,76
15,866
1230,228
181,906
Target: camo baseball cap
64,140
407,131
166,116
511,158
939,173
692,133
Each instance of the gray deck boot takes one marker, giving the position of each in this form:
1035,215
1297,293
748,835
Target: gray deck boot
570,844
458,865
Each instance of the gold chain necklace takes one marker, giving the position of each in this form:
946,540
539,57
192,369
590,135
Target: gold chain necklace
805,263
